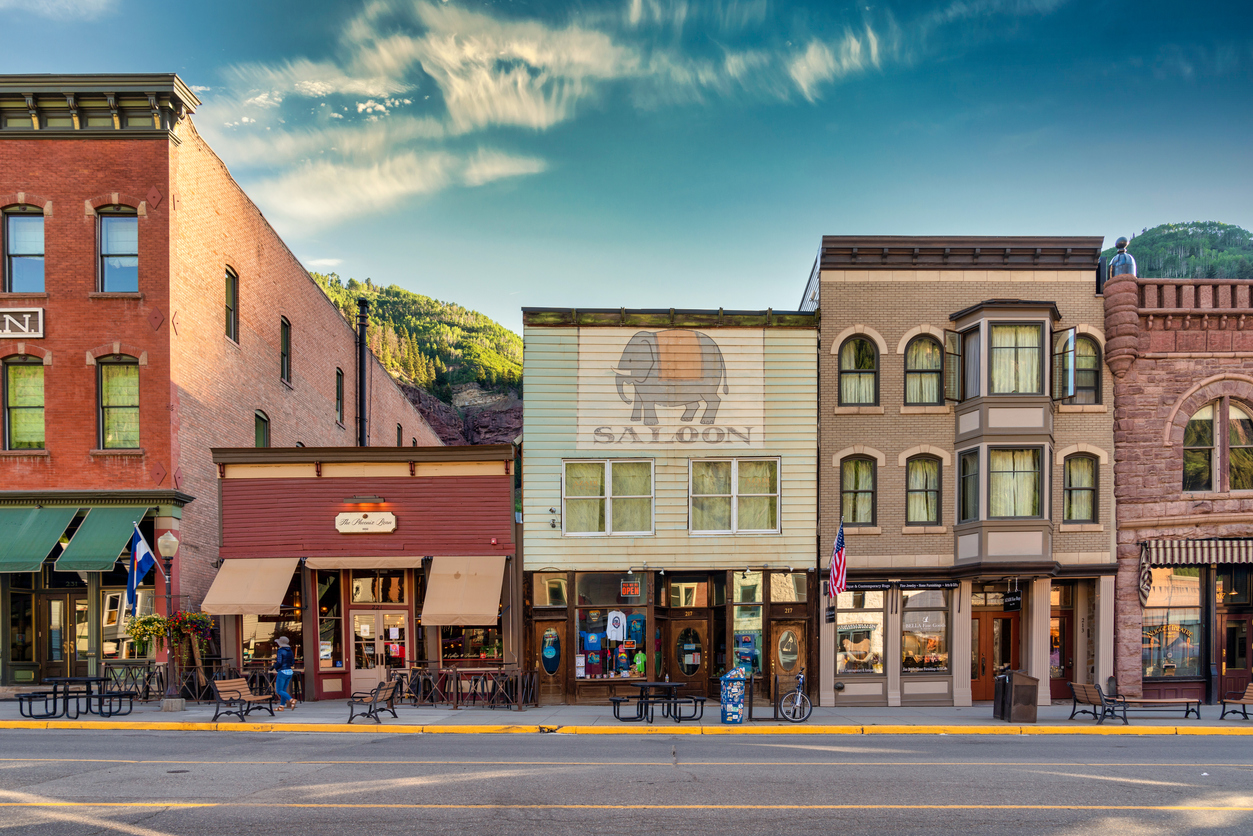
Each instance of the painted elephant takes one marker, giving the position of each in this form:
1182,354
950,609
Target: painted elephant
676,367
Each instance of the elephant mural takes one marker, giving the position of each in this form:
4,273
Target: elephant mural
676,367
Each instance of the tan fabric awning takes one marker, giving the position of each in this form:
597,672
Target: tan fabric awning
463,590
250,586
383,562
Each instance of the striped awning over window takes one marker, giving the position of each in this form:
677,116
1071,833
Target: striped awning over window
1189,553
1193,552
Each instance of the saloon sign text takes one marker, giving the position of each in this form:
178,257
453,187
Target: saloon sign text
667,436
22,323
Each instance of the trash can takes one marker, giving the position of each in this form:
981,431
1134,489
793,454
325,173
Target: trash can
1014,697
733,682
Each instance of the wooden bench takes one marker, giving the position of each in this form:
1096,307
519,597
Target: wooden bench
233,696
381,698
1099,705
1189,706
1235,698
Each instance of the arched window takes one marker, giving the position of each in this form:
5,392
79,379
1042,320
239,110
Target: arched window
859,373
119,249
857,491
261,428
1079,490
1218,448
922,491
924,365
119,402
1087,371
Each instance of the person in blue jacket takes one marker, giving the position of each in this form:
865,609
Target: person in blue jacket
283,661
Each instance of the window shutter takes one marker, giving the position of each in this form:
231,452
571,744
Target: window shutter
1063,364
952,366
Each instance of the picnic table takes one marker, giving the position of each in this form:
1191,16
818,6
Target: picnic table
654,694
68,691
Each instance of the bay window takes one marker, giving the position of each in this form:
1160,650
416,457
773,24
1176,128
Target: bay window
1016,351
1014,483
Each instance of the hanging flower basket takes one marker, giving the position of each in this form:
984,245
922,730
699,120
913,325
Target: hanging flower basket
146,629
197,628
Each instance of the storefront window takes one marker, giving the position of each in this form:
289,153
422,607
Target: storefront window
789,588
378,586
483,644
746,636
859,632
21,628
1171,642
924,631
550,589
330,621
260,633
746,587
1233,585
692,591
606,588
611,643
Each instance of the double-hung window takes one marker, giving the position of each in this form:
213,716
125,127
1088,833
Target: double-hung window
119,250
924,364
232,305
261,429
859,372
22,238
284,350
1079,490
1015,483
922,491
23,390
857,491
1017,350
968,486
119,404
339,395
734,495
1214,460
607,497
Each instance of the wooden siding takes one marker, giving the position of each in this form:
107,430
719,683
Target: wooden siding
551,363
434,516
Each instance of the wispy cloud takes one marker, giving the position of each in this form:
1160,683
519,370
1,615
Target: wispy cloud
323,263
62,9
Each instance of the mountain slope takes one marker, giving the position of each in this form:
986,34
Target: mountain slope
1197,250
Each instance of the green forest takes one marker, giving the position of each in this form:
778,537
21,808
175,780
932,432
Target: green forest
432,344
1197,250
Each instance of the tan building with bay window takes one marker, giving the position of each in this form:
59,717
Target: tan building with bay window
966,440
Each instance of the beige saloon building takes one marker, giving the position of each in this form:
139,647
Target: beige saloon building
966,439
669,498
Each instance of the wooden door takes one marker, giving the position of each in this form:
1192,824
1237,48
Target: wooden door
993,650
787,652
551,660
1233,637
688,655
61,646
1061,653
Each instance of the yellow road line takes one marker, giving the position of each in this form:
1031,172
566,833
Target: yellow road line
612,764
597,807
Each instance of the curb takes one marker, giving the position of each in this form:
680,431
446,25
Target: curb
329,728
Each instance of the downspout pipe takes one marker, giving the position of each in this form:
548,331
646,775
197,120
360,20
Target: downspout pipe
363,351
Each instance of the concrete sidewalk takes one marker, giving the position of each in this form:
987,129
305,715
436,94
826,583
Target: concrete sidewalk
332,716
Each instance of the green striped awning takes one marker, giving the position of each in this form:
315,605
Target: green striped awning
101,537
27,535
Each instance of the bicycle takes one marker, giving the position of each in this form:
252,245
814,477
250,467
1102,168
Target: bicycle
795,706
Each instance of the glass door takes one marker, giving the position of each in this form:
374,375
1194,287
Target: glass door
380,644
1061,654
993,650
1233,632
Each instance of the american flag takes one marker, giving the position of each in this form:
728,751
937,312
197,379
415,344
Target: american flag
838,580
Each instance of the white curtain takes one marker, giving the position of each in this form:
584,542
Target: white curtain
923,491
1014,483
857,372
1015,359
1080,485
923,361
634,480
858,498
585,479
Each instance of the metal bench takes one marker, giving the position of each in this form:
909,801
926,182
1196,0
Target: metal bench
1240,703
1099,705
26,704
233,696
114,703
379,699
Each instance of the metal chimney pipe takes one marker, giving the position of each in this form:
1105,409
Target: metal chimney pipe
363,351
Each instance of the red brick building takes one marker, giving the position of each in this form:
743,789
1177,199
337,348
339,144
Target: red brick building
148,312
1181,355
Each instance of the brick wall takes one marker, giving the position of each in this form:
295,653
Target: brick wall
1174,347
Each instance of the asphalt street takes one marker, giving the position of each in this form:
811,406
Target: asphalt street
164,783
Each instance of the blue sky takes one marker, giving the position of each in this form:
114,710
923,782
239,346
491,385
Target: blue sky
685,153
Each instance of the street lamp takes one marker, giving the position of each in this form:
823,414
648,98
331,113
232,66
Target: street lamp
167,545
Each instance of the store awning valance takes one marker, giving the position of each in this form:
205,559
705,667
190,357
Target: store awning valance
463,591
250,586
1189,553
101,537
27,535
384,562
1196,552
